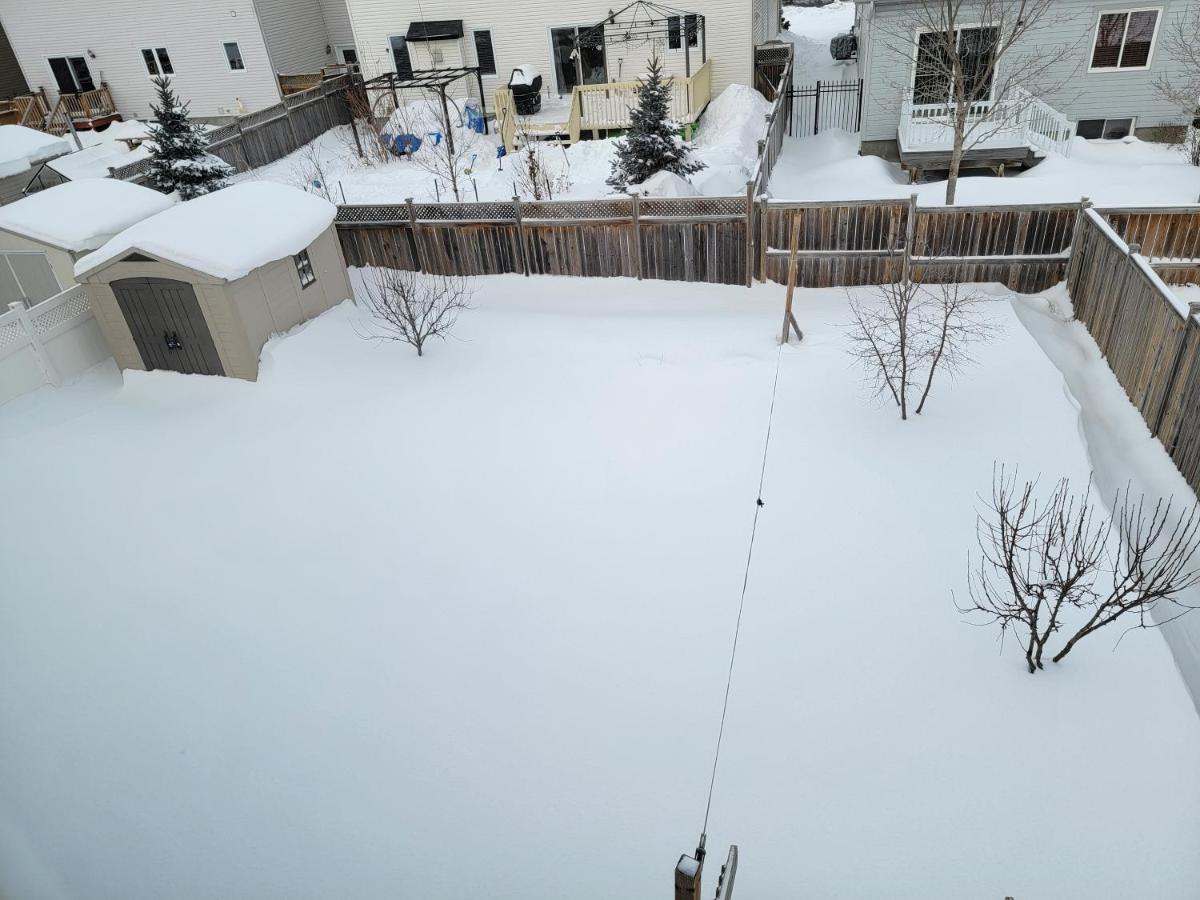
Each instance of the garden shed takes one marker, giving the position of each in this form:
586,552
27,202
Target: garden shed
200,287
43,235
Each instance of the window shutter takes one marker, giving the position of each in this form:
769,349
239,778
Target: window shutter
1107,52
400,56
673,30
485,56
1139,38
691,29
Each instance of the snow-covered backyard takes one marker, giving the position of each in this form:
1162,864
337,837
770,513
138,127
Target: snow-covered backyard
386,626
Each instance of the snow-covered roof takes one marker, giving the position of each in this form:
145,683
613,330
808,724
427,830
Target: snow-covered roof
226,234
21,147
81,215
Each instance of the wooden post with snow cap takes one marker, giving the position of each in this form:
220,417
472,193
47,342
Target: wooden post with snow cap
1084,204
910,233
789,320
521,235
413,246
687,876
637,233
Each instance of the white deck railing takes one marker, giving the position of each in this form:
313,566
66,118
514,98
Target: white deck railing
1018,120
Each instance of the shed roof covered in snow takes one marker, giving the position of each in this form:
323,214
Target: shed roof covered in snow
81,215
226,234
21,147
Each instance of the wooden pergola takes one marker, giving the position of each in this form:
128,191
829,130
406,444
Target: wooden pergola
436,80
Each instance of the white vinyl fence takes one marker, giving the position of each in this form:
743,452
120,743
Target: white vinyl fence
48,343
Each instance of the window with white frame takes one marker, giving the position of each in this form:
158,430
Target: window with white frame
157,61
304,269
1106,129
233,53
1125,39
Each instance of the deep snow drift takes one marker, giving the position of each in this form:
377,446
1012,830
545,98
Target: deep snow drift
1111,173
335,632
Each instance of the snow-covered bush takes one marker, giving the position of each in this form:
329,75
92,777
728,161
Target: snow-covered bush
653,143
179,157
535,175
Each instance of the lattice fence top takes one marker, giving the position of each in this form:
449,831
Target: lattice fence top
372,213
606,208
222,133
451,212
694,206
131,170
71,306
11,333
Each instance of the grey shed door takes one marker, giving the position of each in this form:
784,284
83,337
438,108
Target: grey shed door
167,325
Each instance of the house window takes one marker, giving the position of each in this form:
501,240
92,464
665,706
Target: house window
976,49
71,74
304,269
347,56
233,53
678,26
26,276
1125,40
485,56
399,46
157,61
1108,129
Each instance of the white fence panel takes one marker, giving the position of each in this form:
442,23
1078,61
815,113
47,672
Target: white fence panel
49,343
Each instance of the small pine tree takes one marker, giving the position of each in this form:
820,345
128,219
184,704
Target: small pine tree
653,143
179,157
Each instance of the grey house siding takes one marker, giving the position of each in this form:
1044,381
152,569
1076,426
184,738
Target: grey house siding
12,80
1082,94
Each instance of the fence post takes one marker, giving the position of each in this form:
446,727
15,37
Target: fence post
39,349
762,240
521,234
910,233
1076,236
750,232
637,234
817,111
413,246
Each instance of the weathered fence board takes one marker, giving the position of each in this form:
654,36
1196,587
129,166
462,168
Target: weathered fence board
1151,345
1169,233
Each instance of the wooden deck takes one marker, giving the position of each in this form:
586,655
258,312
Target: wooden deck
996,159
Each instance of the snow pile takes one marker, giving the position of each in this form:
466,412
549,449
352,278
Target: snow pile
227,233
212,655
21,148
731,128
82,215
812,28
665,184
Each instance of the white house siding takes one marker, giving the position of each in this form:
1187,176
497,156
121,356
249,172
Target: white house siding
115,33
521,34
296,35
337,23
1068,86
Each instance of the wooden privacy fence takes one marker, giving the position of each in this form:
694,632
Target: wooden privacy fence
267,135
1168,236
843,244
1150,339
680,239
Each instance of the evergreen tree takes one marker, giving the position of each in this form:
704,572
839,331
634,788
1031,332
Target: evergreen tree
179,157
652,143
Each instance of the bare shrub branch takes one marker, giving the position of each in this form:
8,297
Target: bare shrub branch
413,307
911,332
1042,562
1180,84
533,174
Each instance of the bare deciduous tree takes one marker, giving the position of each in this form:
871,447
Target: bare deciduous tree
414,307
533,175
912,332
362,137
1056,564
1180,84
975,58
448,158
308,172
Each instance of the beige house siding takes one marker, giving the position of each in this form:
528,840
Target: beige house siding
296,35
521,34
112,35
337,23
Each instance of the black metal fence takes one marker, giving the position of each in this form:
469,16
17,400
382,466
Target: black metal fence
824,106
